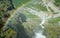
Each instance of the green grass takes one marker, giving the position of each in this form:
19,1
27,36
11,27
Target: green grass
40,6
57,2
31,4
52,31
55,20
19,2
29,15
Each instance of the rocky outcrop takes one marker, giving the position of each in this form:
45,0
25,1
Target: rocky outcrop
6,6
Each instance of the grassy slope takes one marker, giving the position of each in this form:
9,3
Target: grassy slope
55,20
38,6
52,28
18,3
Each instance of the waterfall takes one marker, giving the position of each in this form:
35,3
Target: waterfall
38,34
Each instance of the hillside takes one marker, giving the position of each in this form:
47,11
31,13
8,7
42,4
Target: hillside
30,19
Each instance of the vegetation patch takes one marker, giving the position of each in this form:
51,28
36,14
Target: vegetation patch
55,20
57,2
52,31
18,3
